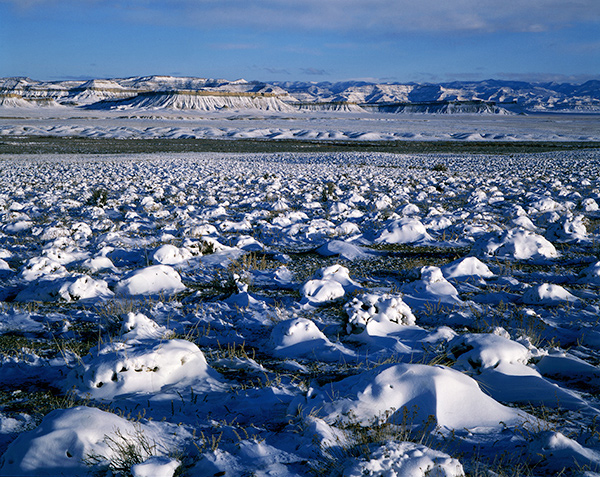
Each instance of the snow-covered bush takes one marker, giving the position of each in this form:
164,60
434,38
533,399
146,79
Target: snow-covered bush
329,284
377,314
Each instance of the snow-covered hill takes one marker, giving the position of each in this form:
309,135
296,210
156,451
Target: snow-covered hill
158,92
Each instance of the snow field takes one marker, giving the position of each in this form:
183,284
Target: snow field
283,314
278,122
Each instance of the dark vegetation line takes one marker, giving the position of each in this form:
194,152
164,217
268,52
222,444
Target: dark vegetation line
76,145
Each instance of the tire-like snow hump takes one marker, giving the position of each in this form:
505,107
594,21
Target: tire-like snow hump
452,398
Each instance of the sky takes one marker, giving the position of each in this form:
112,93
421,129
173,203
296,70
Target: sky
302,40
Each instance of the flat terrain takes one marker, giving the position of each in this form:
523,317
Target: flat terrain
299,307
77,145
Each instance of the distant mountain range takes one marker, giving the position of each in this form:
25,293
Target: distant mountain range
167,92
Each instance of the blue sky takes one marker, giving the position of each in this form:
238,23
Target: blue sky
307,40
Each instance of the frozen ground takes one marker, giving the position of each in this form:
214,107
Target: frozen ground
308,125
300,314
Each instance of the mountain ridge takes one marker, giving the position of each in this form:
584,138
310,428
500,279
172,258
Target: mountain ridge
489,96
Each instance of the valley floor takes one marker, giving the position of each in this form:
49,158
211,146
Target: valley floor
299,312
226,124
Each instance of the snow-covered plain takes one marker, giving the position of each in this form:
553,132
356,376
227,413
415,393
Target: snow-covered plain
300,314
165,122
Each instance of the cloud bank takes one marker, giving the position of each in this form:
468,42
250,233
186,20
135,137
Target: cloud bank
384,16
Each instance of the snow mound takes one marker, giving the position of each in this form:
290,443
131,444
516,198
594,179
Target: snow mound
152,280
547,294
432,288
21,322
281,277
347,228
478,351
465,268
405,230
517,244
564,453
4,266
524,223
46,267
97,264
377,315
590,274
249,457
329,284
65,438
242,299
121,369
589,205
405,458
137,326
344,250
248,244
567,229
543,205
66,289
18,227
501,366
451,397
170,255
567,368
300,337
155,466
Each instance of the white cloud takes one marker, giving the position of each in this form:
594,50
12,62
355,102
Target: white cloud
387,16
314,71
547,77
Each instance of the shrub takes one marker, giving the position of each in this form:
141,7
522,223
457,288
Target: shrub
126,451
98,198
